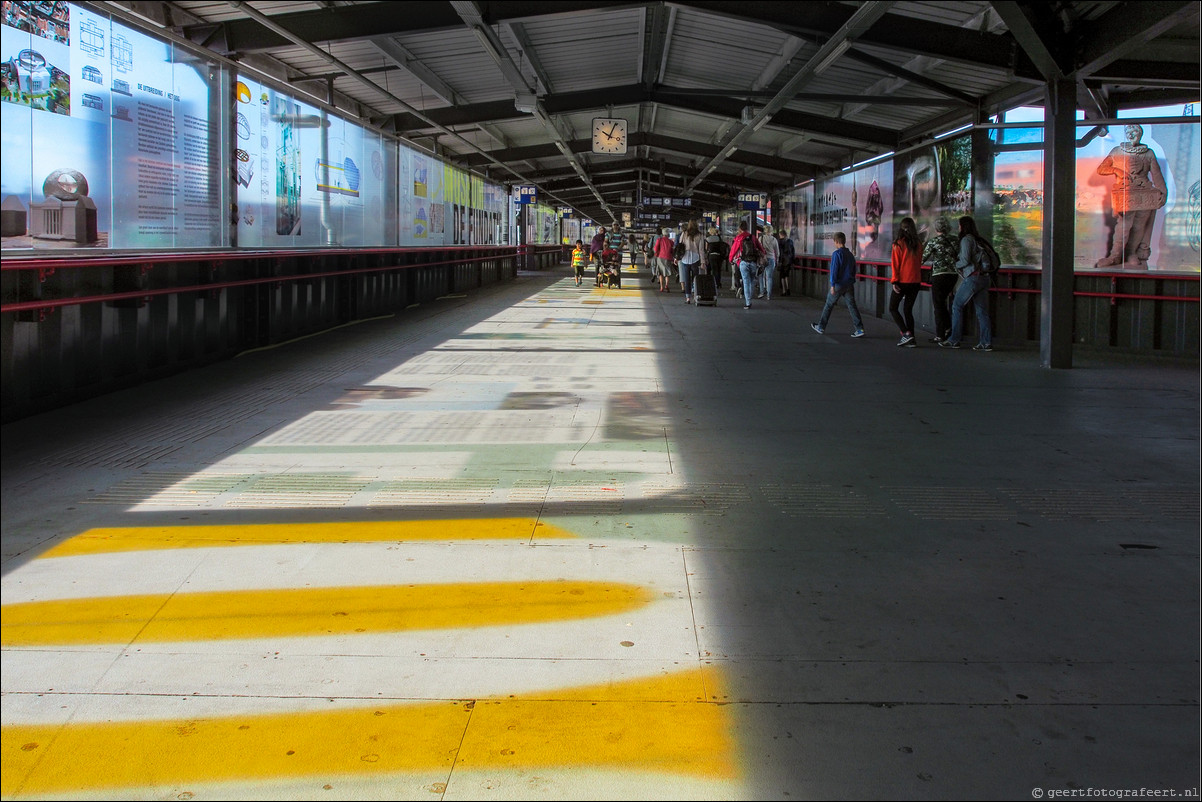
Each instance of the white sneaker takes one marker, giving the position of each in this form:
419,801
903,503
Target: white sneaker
817,328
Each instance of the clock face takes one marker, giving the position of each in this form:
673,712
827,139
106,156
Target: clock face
609,135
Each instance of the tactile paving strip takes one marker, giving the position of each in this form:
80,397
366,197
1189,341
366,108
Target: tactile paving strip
453,492
821,501
170,489
300,490
1149,504
952,503
701,498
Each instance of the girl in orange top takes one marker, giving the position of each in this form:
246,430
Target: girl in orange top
906,278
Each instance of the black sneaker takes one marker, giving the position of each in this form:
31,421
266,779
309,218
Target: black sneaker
979,347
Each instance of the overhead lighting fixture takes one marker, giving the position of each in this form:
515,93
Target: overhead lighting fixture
488,45
831,57
870,159
525,102
964,127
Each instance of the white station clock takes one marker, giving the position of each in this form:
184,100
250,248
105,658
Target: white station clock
609,135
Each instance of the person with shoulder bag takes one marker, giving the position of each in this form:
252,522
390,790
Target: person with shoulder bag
772,254
691,247
784,265
974,286
715,255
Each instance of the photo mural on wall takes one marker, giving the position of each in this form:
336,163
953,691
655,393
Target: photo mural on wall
858,203
1137,198
933,182
1136,195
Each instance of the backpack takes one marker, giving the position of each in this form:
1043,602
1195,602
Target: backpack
990,261
748,252
678,251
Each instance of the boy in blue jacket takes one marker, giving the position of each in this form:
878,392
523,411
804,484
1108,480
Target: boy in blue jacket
843,281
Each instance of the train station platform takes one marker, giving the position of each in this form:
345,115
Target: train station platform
554,542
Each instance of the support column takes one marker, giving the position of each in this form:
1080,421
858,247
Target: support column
1059,217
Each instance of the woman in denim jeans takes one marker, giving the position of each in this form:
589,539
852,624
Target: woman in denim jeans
746,269
974,286
772,251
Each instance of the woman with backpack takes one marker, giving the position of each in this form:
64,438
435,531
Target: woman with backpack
745,252
974,286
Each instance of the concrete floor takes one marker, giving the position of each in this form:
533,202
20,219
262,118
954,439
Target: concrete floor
556,542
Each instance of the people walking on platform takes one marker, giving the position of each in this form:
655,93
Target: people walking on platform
771,248
690,261
715,255
663,259
610,274
596,246
906,280
617,240
745,252
974,286
784,265
842,287
579,260
940,252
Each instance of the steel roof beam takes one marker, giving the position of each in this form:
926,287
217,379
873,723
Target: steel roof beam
840,131
673,144
860,21
820,21
472,17
267,22
1041,36
1130,26
913,77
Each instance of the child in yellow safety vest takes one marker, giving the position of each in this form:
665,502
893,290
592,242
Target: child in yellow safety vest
579,260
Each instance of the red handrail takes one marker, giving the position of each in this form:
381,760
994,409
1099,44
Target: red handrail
1082,293
108,260
54,303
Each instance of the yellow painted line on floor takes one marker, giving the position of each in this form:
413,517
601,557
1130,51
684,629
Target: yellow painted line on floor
309,611
142,538
661,724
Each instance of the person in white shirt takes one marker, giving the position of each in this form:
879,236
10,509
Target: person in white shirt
694,252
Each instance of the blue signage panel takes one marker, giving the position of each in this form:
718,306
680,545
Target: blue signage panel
751,201
526,194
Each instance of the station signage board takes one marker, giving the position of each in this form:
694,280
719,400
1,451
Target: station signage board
751,201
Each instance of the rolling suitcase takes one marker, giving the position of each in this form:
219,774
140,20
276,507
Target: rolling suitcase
705,290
